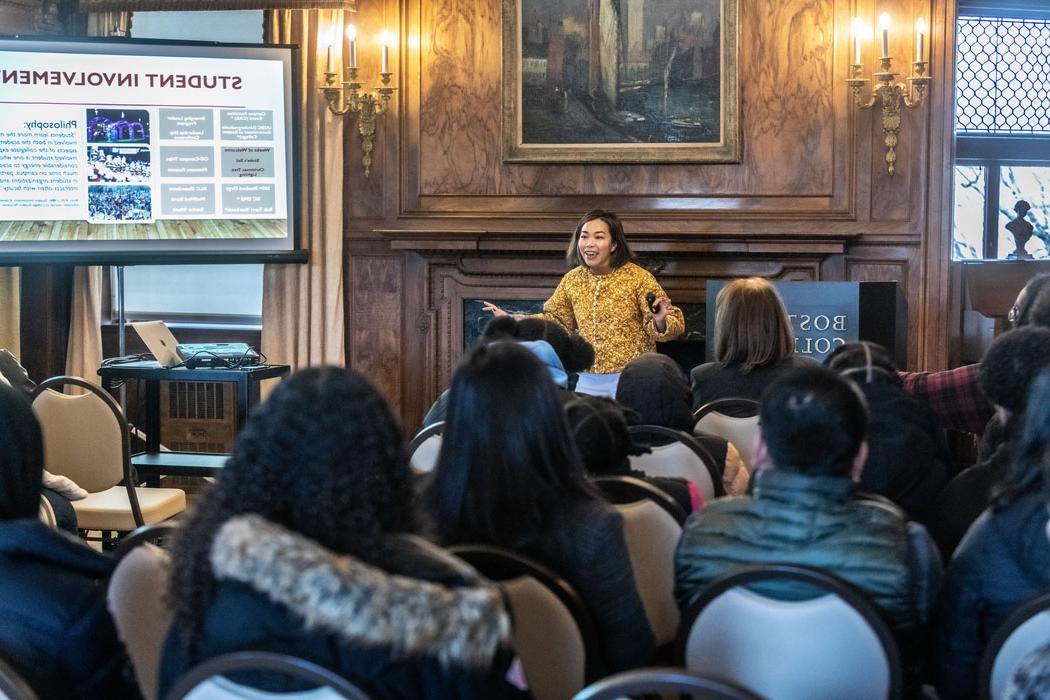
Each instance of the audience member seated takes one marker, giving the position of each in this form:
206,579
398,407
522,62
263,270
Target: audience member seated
656,388
908,454
564,354
54,626
955,395
509,475
599,428
304,546
754,344
1008,369
1004,560
810,452
58,490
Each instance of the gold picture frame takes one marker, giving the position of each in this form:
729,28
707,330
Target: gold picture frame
639,88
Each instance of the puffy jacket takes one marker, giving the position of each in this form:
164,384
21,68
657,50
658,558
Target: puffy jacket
1002,563
425,626
799,519
54,625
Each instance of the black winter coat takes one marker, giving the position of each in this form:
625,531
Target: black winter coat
54,626
434,630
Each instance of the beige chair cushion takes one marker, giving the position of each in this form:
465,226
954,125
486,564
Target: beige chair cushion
82,439
135,598
111,510
547,639
652,536
739,431
676,460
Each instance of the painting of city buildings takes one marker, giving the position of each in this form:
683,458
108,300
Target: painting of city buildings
620,73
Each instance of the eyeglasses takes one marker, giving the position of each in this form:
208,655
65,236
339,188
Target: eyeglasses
1013,314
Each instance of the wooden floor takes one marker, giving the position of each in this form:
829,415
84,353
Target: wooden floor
166,229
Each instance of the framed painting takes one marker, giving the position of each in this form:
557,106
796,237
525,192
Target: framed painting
620,81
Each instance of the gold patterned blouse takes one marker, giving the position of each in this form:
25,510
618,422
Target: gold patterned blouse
610,312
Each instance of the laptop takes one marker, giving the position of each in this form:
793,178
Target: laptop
159,341
169,352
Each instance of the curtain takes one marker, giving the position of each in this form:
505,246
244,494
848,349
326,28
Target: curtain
10,310
84,349
303,312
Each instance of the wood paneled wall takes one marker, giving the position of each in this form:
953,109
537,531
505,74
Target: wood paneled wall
444,219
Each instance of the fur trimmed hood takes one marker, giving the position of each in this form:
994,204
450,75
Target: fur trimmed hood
461,626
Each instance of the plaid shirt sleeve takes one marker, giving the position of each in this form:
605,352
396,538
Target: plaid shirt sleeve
954,395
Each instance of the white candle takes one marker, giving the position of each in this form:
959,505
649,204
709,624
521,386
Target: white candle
351,34
386,39
858,30
884,23
920,40
329,62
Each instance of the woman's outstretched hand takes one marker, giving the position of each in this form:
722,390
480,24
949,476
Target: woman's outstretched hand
496,311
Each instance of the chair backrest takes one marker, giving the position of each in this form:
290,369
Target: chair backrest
654,681
684,457
47,513
741,431
423,449
85,436
652,529
553,632
135,597
833,646
1024,631
13,686
159,534
206,681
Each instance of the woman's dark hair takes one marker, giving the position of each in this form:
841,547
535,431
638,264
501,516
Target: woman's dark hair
864,362
21,457
655,387
507,458
599,429
813,421
575,353
621,256
1028,470
1011,365
322,456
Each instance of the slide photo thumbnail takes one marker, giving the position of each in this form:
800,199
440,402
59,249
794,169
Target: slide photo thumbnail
117,126
118,164
119,203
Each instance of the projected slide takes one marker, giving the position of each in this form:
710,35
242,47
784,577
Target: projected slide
105,143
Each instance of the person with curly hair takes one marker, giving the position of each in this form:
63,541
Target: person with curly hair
509,475
305,545
54,626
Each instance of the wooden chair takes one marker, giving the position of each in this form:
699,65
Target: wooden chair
833,646
553,632
86,439
684,457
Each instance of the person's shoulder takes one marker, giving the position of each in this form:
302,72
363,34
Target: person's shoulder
705,370
720,510
795,360
636,271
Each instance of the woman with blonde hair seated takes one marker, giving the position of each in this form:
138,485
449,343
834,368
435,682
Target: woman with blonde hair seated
754,344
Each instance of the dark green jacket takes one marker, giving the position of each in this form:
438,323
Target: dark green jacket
798,519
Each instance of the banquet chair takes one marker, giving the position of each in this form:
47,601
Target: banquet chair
661,682
1024,631
13,686
423,449
86,439
683,457
713,418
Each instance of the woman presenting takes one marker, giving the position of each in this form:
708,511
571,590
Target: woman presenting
617,306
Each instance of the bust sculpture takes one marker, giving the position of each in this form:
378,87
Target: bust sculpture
1021,230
